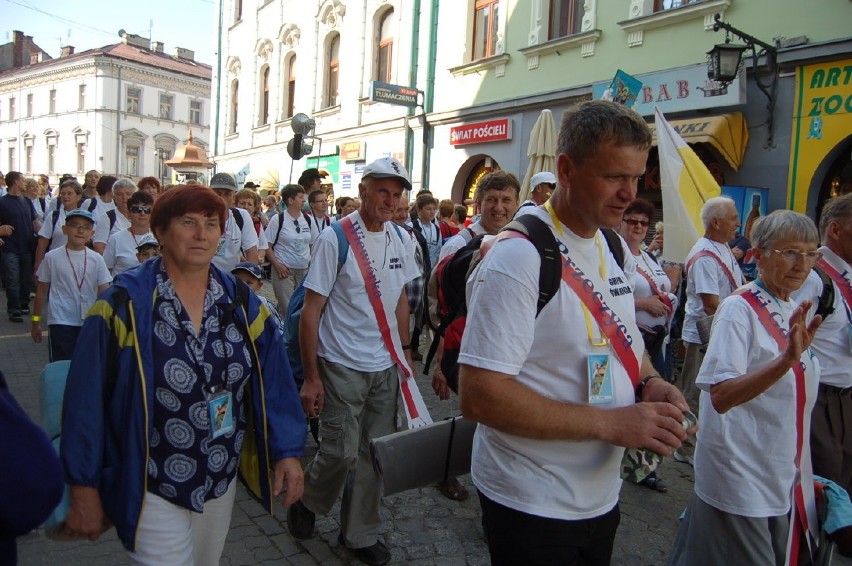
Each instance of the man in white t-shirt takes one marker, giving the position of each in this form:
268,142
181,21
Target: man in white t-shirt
831,427
712,274
554,402
542,185
350,378
240,239
289,235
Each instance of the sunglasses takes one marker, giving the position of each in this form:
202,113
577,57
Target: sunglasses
634,222
140,209
298,228
75,226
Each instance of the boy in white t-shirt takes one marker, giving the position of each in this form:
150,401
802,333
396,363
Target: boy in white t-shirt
73,276
147,248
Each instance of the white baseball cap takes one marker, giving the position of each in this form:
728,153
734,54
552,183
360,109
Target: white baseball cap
387,167
543,177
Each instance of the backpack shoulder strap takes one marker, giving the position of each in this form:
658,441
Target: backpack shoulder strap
238,217
342,244
825,304
280,228
398,232
111,216
93,204
615,247
550,273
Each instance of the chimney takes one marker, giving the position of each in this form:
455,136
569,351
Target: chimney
182,53
66,50
158,46
136,40
19,45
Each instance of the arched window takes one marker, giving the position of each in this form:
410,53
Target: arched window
333,62
235,100
384,47
291,87
263,108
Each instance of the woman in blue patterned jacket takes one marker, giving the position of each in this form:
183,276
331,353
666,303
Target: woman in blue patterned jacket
181,379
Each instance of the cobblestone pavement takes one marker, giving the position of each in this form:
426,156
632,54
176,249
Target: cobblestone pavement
421,527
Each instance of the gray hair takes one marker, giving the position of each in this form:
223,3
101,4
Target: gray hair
838,209
783,225
715,208
123,183
589,124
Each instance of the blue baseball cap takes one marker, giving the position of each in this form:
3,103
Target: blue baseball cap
81,213
252,268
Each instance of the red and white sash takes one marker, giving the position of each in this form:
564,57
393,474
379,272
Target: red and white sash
839,281
415,409
804,518
725,269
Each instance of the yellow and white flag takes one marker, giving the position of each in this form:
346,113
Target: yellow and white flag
687,184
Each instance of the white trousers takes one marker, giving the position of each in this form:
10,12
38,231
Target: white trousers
169,535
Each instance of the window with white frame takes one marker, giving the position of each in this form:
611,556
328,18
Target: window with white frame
30,105
12,112
662,5
131,160
133,102
51,101
51,158
167,104
28,155
263,106
485,22
384,46
81,97
195,112
11,154
333,69
235,104
238,11
290,95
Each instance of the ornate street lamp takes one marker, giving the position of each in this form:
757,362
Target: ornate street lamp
725,61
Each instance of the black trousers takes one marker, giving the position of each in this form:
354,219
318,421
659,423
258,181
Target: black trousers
516,538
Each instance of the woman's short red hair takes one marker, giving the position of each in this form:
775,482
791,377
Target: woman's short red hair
144,181
187,199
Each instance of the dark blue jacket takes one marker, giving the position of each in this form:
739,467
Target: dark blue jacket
109,397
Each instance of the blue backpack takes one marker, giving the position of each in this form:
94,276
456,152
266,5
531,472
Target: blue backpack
297,301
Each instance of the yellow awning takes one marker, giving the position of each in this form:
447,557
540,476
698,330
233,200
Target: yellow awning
727,133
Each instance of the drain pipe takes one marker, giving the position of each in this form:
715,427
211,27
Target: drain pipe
118,108
412,82
218,110
429,95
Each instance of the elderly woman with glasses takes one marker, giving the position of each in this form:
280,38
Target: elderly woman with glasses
120,251
289,236
758,385
183,380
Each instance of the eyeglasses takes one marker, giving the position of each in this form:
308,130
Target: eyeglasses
634,222
140,209
790,255
76,226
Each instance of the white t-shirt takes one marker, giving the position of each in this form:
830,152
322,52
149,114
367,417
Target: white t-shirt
68,300
53,231
744,460
317,225
642,290
460,240
105,205
556,479
831,343
120,251
293,246
234,240
706,276
348,332
103,230
40,211
432,234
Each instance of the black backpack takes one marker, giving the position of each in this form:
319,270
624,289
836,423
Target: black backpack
825,304
448,279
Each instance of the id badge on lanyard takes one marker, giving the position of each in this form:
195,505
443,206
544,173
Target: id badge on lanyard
599,376
220,407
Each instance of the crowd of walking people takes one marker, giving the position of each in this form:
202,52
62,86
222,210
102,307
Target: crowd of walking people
180,379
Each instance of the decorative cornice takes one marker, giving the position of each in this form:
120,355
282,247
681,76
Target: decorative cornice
639,22
495,61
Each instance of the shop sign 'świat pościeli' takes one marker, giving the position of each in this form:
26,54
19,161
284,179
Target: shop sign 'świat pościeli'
482,132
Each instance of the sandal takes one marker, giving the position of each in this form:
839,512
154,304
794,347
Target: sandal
655,483
452,489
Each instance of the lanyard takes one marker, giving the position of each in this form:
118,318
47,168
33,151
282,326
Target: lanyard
79,282
804,519
415,408
654,288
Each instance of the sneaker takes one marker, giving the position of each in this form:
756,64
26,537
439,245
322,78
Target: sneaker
684,458
25,310
300,521
375,555
16,317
